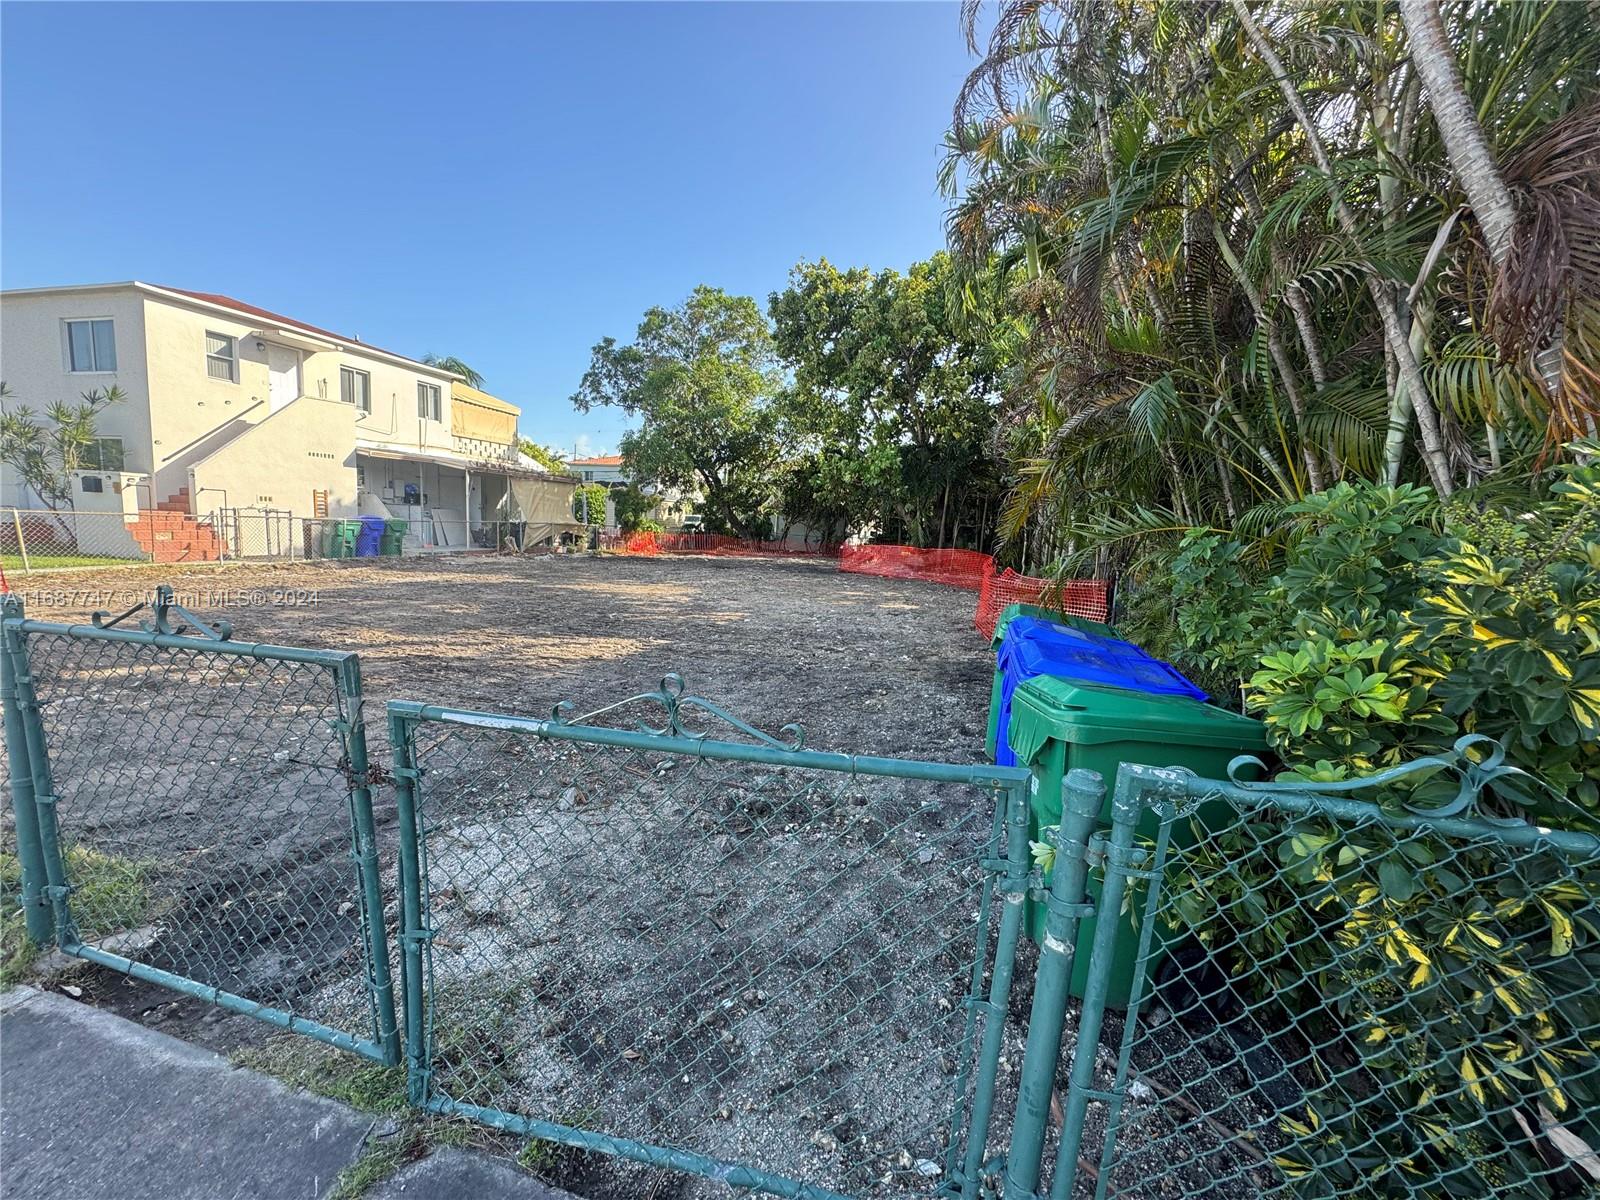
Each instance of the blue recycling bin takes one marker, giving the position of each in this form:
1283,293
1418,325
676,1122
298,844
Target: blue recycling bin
1034,647
370,537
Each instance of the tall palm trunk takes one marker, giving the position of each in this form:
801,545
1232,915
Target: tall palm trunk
1434,453
1280,358
1464,140
1471,156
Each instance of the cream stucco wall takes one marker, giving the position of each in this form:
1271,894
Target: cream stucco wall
193,414
177,421
280,461
33,363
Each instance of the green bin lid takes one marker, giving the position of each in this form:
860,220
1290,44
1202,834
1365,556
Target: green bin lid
1047,708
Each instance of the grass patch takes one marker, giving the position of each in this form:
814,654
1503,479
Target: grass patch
311,1066
18,952
553,1161
109,894
48,562
381,1158
320,1069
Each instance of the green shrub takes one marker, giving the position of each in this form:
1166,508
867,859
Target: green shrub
595,494
1463,985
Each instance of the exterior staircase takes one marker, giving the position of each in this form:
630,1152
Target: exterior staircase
170,533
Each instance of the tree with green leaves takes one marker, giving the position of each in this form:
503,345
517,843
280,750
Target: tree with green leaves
589,503
700,379
1261,248
892,408
45,452
545,456
448,362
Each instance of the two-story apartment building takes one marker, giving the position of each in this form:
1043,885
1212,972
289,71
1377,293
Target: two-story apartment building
231,408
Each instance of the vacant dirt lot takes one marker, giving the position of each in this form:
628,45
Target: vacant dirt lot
809,936
867,665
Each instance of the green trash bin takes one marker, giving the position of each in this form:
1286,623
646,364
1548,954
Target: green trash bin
1059,724
341,537
392,543
1008,614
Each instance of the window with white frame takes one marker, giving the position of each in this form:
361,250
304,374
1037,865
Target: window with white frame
222,357
428,402
355,387
91,345
361,478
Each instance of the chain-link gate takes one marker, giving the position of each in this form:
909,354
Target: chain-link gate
769,967
1335,997
200,812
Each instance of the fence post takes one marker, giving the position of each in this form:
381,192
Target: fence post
1126,804
1014,889
30,856
1082,799
354,732
22,542
411,931
56,890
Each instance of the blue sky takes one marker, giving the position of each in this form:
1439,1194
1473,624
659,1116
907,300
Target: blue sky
506,183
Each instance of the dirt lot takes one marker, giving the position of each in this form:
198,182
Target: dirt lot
808,935
867,665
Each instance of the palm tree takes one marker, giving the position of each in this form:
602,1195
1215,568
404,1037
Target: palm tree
1235,271
447,362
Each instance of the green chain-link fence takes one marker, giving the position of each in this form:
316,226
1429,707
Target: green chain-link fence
789,971
203,817
1344,998
767,966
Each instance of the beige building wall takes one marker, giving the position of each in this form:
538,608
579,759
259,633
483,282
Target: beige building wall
282,460
34,365
220,438
193,414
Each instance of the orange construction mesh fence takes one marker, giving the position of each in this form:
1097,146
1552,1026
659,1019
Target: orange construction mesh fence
706,543
957,568
1089,598
970,569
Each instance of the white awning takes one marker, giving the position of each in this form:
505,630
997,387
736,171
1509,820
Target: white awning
293,337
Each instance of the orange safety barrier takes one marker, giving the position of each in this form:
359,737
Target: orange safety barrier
957,568
1089,598
707,543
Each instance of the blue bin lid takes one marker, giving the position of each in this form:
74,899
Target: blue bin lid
1037,647
1034,647
372,524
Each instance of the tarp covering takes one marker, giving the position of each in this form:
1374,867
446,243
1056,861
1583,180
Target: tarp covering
541,501
475,414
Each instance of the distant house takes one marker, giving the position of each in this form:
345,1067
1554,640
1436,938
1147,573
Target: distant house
671,506
232,409
606,469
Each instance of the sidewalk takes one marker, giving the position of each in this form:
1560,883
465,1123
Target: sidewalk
93,1106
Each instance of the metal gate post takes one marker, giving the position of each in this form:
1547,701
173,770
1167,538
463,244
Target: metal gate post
354,731
13,662
411,931
57,889
1014,888
1082,798
1126,804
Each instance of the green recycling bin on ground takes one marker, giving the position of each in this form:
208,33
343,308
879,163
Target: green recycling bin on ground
1059,724
1008,614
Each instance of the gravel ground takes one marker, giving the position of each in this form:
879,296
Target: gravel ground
764,966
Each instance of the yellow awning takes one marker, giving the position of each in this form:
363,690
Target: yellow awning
475,414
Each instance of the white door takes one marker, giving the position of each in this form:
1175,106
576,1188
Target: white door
283,366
